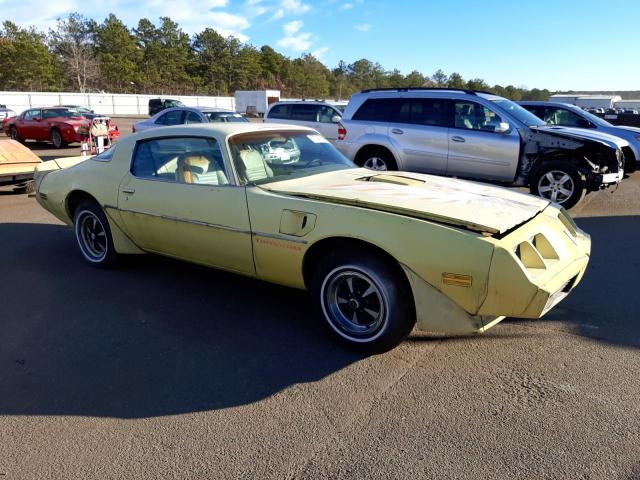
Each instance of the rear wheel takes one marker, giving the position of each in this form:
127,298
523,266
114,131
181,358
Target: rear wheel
364,299
15,135
56,138
376,159
559,182
94,235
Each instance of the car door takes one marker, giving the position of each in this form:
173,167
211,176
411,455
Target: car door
476,148
43,129
419,129
326,126
178,200
305,114
28,125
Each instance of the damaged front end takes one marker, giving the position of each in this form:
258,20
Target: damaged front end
600,161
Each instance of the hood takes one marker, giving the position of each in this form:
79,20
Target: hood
461,203
75,121
625,128
582,134
12,152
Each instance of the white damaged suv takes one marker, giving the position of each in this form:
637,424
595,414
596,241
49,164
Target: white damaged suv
477,135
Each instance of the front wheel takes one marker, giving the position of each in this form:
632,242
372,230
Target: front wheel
376,159
559,182
365,300
94,235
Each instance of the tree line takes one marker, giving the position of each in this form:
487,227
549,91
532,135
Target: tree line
80,54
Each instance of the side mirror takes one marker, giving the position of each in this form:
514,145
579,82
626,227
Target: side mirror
336,119
92,111
502,127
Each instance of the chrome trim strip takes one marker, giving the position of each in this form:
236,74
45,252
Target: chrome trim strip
275,236
215,225
185,220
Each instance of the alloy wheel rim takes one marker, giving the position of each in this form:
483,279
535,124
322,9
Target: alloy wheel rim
375,163
92,236
556,185
354,304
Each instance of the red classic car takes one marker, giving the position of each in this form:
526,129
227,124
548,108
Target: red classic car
59,125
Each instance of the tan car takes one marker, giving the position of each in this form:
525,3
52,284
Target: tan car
17,164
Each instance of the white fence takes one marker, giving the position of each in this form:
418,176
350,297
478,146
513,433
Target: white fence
105,103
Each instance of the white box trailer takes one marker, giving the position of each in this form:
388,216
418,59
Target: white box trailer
255,102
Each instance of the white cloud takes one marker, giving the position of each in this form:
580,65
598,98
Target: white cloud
290,7
297,43
346,6
365,27
292,27
294,39
319,53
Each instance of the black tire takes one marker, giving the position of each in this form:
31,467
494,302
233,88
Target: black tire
376,158
15,135
384,316
94,236
558,181
56,138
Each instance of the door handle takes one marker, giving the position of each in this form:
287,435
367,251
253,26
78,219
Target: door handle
397,131
130,191
456,138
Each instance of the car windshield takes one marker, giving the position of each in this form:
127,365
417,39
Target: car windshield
60,112
217,117
520,113
271,156
593,118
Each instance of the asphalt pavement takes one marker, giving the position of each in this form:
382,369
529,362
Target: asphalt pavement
167,370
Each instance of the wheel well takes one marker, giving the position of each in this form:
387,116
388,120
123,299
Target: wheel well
367,149
319,249
553,156
75,198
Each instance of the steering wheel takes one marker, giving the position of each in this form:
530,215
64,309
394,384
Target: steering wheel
311,162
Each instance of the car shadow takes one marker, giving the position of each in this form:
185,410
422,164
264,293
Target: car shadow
605,306
156,337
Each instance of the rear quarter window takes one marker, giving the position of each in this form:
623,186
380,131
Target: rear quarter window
280,111
378,110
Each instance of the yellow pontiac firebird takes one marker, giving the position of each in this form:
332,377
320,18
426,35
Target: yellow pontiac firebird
379,251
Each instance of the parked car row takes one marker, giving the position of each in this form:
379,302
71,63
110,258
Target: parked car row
187,115
60,125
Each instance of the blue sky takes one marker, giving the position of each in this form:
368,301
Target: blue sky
561,44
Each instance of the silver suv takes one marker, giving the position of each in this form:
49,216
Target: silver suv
477,135
321,116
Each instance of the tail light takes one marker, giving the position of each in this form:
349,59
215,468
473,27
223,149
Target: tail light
342,132
133,129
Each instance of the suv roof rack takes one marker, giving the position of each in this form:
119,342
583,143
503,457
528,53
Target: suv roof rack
408,89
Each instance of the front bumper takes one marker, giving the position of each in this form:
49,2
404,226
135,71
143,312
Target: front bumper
610,178
536,266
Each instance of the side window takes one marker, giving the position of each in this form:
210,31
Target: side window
560,116
173,117
280,111
379,110
29,114
192,117
326,114
50,113
473,116
305,113
180,160
424,111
